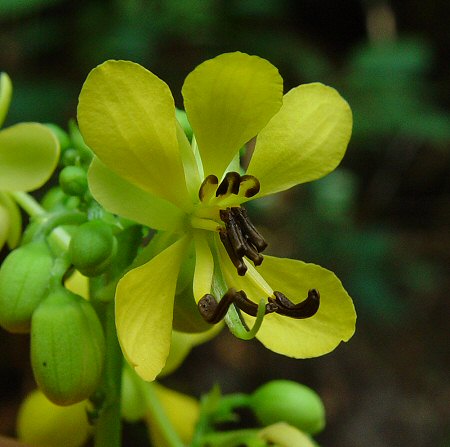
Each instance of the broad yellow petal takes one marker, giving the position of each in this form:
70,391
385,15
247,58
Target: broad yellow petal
299,338
144,310
119,196
228,100
126,115
28,155
304,141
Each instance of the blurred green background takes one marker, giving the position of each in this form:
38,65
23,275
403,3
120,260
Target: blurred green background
381,221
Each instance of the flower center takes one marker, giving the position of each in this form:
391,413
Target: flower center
237,233
220,210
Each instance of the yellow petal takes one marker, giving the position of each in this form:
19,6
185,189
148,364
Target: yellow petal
228,100
181,410
144,310
299,338
284,435
304,141
126,115
42,423
204,266
121,197
28,155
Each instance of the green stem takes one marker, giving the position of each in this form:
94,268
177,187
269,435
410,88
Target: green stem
108,424
158,414
31,206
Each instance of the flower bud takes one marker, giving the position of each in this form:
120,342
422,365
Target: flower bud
290,402
92,248
73,180
67,347
24,277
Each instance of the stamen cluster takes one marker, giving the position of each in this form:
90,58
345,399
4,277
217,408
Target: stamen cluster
240,238
213,311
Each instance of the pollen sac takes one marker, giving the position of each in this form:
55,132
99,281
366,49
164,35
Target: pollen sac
232,184
229,185
208,188
304,309
240,238
213,311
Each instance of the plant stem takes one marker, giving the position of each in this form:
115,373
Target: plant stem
28,203
108,425
158,414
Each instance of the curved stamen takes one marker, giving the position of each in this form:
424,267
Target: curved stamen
304,309
213,311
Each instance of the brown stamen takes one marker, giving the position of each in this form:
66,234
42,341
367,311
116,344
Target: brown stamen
213,311
237,261
304,309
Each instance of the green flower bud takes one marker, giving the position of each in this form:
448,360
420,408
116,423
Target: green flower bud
290,402
73,180
70,157
67,347
24,278
61,135
93,247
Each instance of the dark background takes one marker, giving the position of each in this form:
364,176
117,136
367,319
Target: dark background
381,221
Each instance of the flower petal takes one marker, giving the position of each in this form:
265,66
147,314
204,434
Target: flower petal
28,155
5,96
12,221
304,141
228,100
285,435
144,310
121,197
4,225
126,115
299,338
182,344
204,266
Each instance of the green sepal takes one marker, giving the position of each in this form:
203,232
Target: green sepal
24,279
67,347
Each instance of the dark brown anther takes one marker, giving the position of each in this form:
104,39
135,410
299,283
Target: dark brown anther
213,311
229,185
234,232
237,261
250,185
208,184
253,255
248,229
304,309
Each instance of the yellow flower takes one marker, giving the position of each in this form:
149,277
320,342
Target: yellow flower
28,155
146,170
